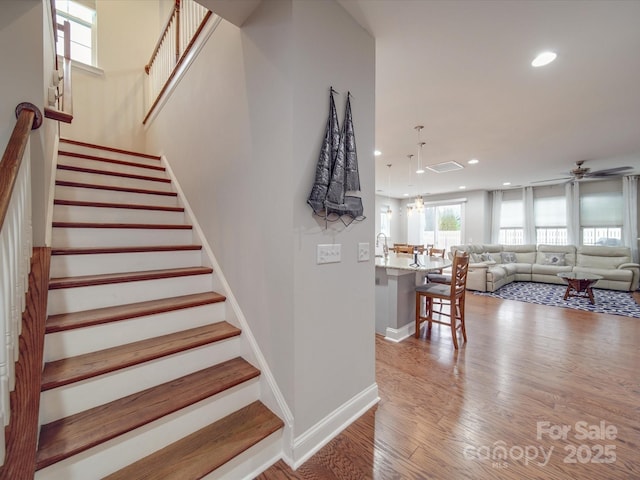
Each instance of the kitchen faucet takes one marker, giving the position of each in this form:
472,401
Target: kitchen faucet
385,247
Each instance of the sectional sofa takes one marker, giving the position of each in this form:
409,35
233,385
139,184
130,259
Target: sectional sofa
492,266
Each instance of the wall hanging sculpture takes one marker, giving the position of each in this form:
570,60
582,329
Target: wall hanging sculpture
337,170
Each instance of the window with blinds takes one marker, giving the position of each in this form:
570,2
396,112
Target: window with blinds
512,222
601,218
550,215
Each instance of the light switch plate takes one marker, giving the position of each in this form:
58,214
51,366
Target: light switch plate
328,253
363,252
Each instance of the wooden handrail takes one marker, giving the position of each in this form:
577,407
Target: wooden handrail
29,118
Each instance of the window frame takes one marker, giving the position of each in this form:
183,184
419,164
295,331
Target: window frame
72,19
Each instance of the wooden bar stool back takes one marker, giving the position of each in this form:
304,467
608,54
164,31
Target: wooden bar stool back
452,294
437,276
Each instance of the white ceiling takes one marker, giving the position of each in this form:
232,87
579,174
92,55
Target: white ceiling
462,69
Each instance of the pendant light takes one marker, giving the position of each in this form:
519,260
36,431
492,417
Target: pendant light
410,156
420,170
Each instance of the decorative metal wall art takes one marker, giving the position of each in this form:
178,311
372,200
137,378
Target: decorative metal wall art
337,170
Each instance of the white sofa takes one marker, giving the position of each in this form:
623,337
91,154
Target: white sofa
492,266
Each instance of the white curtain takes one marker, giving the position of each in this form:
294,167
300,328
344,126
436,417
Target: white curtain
572,193
496,207
529,218
630,214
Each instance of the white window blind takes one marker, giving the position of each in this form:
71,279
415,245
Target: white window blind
511,214
550,212
602,209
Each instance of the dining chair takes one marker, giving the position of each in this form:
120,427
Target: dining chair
452,294
397,247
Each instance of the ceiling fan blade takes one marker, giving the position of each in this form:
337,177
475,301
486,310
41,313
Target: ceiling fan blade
551,180
608,172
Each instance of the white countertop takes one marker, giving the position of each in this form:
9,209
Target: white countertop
403,261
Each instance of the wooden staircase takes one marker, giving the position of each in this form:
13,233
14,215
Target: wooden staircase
143,375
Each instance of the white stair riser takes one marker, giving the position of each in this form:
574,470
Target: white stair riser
70,399
95,179
251,462
119,237
98,152
97,195
79,341
121,451
65,300
95,264
111,167
72,213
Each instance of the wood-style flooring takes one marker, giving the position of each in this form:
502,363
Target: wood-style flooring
489,410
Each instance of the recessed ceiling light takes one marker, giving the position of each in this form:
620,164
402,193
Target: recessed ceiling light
420,170
473,161
405,194
462,187
377,153
544,58
506,183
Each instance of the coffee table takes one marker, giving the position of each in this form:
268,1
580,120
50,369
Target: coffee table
579,284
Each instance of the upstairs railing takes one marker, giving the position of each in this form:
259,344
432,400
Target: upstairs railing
60,101
185,23
16,243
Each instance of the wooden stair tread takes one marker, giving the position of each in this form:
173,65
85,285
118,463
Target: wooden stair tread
108,278
202,452
114,188
132,206
68,370
86,318
68,436
109,149
95,171
130,249
112,160
160,226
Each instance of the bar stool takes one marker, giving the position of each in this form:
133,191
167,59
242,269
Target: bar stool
437,276
452,294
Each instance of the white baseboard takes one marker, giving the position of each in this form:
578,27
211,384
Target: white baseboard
399,334
307,444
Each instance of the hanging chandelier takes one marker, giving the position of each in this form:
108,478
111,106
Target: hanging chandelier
410,206
418,202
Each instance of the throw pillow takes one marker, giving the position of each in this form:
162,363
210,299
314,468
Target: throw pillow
486,257
475,258
554,259
508,257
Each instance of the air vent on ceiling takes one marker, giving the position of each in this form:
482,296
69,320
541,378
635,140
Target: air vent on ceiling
445,167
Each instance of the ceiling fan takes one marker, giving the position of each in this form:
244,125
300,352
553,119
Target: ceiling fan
581,173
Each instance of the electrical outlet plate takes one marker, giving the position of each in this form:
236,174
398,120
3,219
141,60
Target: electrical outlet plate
328,253
363,252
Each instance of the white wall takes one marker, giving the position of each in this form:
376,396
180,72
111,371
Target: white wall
398,219
334,304
242,132
109,108
26,54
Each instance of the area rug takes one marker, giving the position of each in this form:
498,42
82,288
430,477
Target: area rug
607,301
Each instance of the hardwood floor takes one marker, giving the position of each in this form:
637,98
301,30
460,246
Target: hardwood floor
526,369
